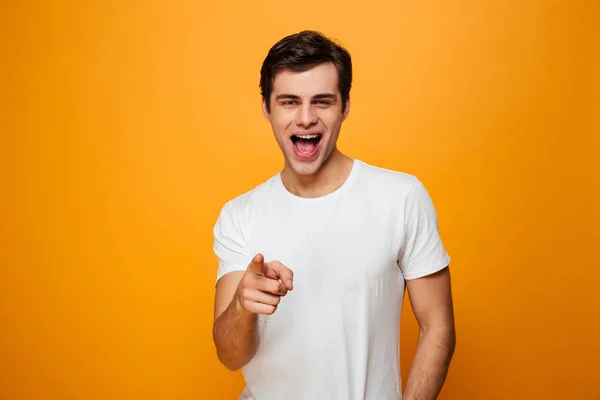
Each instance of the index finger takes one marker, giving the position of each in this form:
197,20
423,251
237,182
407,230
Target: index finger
257,265
277,270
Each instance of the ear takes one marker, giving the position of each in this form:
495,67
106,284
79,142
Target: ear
265,111
346,109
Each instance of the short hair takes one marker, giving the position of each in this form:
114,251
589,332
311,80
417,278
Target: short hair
302,51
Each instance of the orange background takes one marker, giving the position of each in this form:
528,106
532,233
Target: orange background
126,126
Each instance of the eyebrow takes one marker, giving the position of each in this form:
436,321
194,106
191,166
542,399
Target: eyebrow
295,97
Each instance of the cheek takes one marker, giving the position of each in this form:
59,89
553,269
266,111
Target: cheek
279,130
281,121
331,119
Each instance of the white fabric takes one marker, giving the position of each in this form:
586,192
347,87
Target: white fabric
336,335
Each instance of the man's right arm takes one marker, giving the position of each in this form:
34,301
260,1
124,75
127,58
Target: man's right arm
240,297
234,329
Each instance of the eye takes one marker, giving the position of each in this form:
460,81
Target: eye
323,103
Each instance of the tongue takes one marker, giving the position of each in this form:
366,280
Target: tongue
305,146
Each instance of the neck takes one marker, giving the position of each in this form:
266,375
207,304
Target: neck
330,177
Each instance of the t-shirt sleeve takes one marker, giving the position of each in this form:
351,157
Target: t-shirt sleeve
229,244
423,252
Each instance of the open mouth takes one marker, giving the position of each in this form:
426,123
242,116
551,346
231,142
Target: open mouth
306,145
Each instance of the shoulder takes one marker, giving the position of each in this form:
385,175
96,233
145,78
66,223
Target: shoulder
396,188
249,201
387,180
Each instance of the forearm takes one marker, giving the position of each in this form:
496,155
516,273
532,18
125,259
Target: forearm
235,336
430,364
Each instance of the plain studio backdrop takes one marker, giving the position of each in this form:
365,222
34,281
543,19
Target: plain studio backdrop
125,126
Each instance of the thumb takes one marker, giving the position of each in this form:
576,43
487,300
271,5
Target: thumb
257,265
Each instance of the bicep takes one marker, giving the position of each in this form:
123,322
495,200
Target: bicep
431,300
225,290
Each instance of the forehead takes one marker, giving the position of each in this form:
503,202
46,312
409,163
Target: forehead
322,78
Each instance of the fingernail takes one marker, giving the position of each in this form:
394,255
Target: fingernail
290,283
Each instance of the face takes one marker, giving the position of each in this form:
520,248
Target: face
306,116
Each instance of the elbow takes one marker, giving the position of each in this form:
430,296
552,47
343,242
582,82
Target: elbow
449,342
232,359
447,339
452,343
231,366
223,355
233,354
229,363
443,336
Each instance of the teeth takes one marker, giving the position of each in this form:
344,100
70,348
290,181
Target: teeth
307,136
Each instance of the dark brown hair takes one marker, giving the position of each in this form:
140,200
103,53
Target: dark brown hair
303,51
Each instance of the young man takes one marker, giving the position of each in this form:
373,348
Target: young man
314,262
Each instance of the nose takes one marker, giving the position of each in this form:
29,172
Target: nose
306,116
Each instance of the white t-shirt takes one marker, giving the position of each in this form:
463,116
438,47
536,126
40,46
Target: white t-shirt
336,335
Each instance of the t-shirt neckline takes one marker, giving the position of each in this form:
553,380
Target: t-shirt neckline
356,164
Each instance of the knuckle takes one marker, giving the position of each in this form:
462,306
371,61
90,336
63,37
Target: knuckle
251,282
270,273
277,288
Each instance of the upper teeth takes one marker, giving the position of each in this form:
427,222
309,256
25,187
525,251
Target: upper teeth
308,136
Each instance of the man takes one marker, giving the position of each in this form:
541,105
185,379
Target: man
314,262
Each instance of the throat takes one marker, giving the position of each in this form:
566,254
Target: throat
330,177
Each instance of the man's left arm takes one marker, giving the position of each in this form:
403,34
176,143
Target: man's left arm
431,301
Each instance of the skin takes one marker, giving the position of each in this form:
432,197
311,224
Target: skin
431,301
310,102
240,297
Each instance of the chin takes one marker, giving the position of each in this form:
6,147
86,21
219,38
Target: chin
305,168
